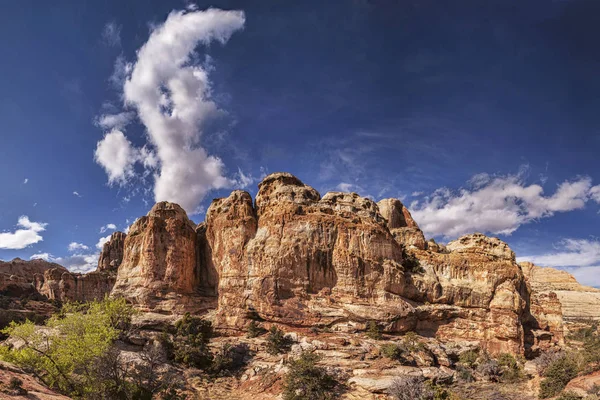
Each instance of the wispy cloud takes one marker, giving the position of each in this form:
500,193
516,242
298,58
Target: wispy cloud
496,204
74,246
108,227
581,257
76,193
25,181
27,234
111,34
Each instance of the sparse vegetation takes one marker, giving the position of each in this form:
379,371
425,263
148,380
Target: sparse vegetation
568,396
307,381
410,388
411,263
557,375
190,345
510,370
392,351
468,358
277,343
255,330
373,330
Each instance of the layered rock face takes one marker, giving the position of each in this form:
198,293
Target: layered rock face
17,277
60,284
476,292
401,224
577,301
299,259
158,270
111,255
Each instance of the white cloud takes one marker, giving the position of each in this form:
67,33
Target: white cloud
581,257
117,156
344,187
111,34
172,97
75,193
21,238
498,205
108,227
25,181
595,193
115,121
416,194
242,180
74,246
102,241
41,256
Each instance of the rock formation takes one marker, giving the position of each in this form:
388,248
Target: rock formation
401,224
111,255
577,301
158,270
17,276
299,259
60,284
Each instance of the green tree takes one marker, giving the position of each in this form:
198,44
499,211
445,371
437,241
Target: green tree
63,352
306,381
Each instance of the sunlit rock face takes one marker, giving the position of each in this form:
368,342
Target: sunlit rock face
296,258
299,259
158,270
60,284
111,255
577,301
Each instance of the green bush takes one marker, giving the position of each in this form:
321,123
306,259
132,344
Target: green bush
411,263
373,330
411,340
254,330
306,381
15,383
277,342
510,369
229,358
391,351
190,345
568,396
468,358
557,375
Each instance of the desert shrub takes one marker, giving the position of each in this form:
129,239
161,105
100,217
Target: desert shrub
229,358
410,388
411,340
545,359
568,396
190,344
411,263
510,369
557,375
468,358
277,342
307,381
254,330
373,330
391,351
490,369
465,374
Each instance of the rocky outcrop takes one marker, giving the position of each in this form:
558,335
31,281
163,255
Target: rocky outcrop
60,284
158,270
17,277
299,259
476,292
401,224
111,255
31,388
577,301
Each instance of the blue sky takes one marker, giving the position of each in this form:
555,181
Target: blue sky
479,116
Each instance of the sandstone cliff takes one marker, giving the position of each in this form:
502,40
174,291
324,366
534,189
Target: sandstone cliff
299,259
60,284
17,276
111,255
577,301
158,270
